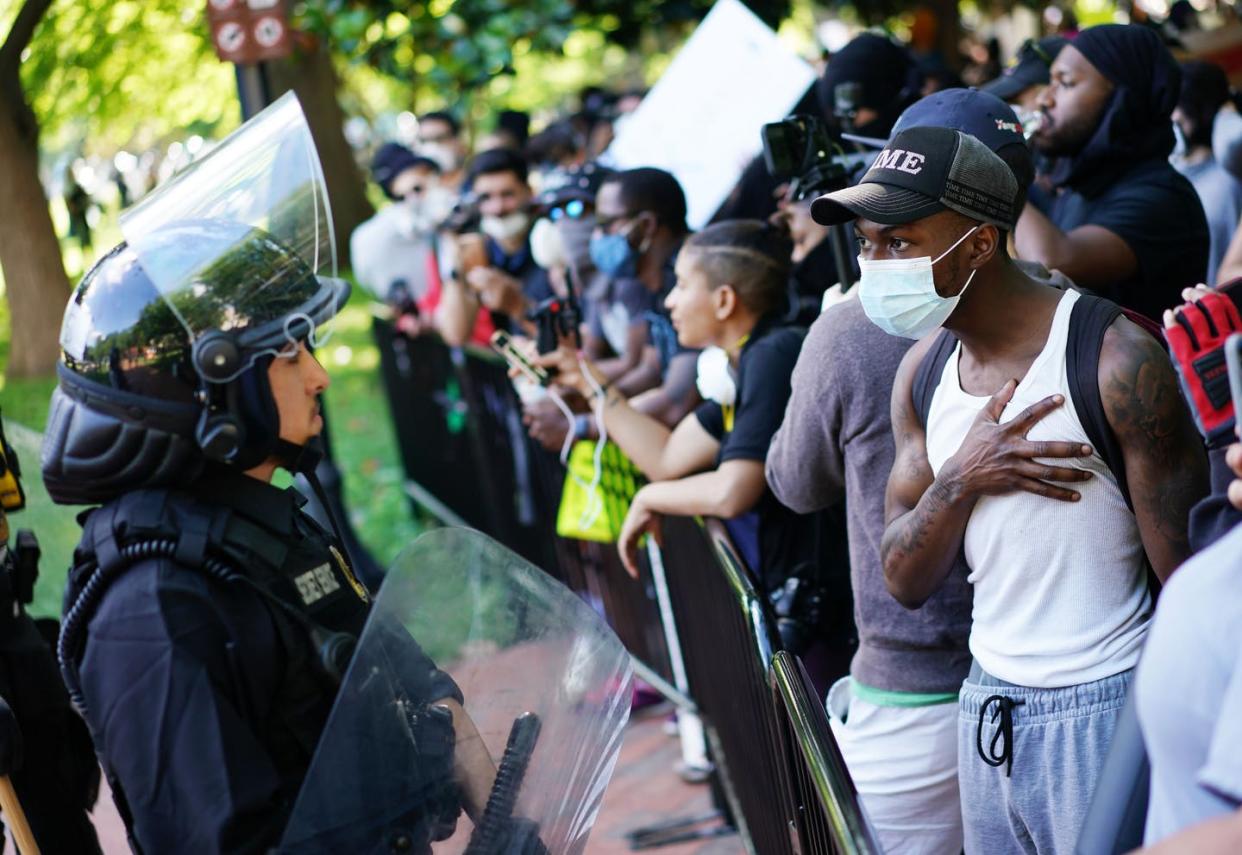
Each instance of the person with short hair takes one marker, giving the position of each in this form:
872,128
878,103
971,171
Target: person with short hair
994,460
1205,89
505,281
1119,220
392,252
640,227
440,139
895,715
730,281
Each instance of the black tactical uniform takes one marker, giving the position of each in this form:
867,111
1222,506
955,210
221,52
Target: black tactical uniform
201,686
44,745
208,621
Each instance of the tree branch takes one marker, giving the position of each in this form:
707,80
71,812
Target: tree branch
20,34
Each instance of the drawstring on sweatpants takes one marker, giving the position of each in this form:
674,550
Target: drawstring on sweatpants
1004,732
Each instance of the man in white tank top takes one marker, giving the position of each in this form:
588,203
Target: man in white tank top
1004,471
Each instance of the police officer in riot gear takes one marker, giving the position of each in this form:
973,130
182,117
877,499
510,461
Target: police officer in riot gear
44,746
208,619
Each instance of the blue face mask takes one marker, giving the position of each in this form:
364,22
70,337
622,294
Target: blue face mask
612,255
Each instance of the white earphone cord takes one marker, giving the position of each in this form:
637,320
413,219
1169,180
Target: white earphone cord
595,502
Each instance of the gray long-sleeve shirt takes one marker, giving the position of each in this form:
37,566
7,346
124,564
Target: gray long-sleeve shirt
836,444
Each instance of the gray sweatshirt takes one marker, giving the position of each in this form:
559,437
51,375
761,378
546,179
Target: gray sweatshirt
836,444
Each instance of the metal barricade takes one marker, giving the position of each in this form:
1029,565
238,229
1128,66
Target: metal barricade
430,421
821,805
508,482
464,447
728,639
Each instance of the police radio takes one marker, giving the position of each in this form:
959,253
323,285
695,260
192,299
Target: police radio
12,498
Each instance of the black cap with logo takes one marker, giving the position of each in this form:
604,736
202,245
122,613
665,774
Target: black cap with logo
1032,68
922,172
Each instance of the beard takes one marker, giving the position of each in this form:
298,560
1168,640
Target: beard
1067,138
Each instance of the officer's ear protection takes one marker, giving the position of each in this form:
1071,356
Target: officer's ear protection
218,359
12,497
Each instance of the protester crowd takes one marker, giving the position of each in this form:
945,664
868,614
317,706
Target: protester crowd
1021,405
969,355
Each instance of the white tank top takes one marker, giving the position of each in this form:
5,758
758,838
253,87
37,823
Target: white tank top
1060,588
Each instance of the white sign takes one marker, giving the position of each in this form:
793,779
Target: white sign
231,36
268,31
701,120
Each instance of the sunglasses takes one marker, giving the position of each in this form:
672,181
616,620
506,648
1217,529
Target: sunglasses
574,209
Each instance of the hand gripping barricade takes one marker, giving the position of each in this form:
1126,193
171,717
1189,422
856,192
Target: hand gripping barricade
544,681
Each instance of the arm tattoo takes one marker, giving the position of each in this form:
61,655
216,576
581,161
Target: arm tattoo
911,531
1165,465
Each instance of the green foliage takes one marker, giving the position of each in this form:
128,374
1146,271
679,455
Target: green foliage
364,442
468,51
125,72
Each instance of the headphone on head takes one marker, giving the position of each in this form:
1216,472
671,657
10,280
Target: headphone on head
220,432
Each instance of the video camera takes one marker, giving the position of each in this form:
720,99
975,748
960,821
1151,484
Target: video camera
798,149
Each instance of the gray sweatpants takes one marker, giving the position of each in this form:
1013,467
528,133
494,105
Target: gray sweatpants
1060,738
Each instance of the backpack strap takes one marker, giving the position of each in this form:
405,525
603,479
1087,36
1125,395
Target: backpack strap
927,376
1089,321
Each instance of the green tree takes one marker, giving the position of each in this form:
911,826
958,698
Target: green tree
453,49
100,70
35,280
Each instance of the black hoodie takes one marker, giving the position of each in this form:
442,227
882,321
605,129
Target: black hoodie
1121,180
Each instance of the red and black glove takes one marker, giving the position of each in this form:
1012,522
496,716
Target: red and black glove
1197,343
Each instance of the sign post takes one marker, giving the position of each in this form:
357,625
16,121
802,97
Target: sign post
248,33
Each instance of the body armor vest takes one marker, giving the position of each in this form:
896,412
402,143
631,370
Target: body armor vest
294,579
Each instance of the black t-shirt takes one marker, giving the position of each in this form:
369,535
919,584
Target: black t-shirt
786,539
763,376
1156,211
521,266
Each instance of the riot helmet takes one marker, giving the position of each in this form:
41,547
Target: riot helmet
166,341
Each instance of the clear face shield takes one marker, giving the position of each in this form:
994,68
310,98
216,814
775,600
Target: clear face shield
240,246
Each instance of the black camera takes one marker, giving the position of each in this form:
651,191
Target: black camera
465,218
798,149
555,318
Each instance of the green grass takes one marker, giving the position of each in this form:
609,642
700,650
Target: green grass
363,440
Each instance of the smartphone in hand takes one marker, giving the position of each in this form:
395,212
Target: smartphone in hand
503,344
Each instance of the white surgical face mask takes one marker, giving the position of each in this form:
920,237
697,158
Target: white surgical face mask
547,246
507,228
899,295
422,214
715,378
444,155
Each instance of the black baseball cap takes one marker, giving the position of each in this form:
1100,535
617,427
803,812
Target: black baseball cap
924,171
1032,68
391,160
576,182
